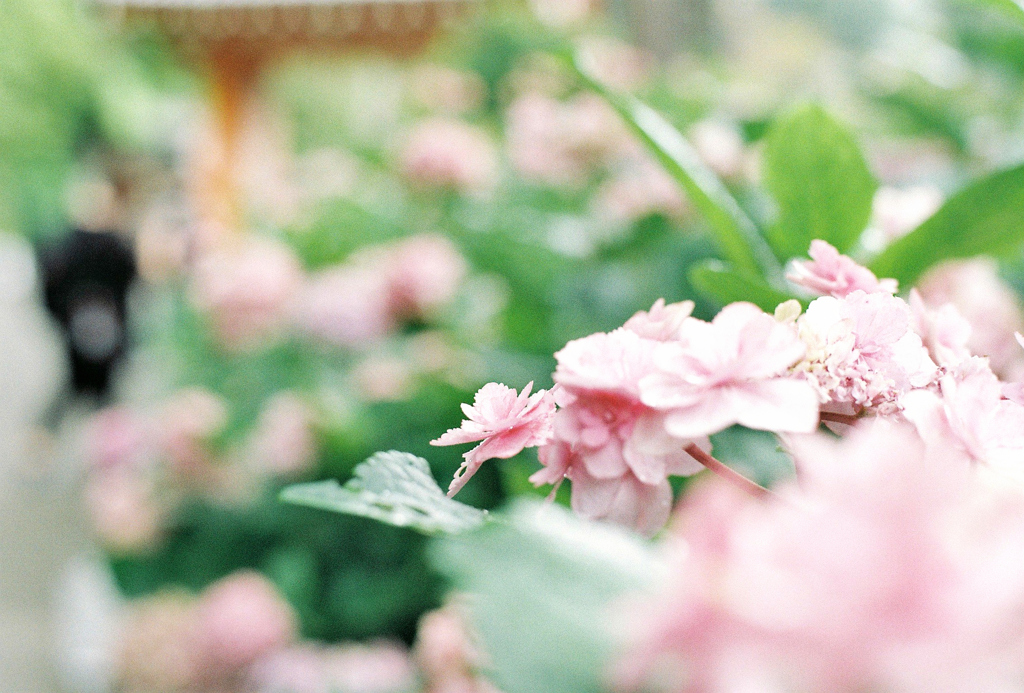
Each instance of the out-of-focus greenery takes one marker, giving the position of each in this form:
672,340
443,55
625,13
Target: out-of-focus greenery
66,87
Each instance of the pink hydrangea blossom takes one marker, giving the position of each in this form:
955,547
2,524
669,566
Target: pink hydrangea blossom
638,188
505,421
381,666
424,273
613,447
124,512
188,422
829,273
247,289
969,413
861,353
449,153
735,369
240,619
943,330
449,658
284,442
158,650
989,305
888,568
662,322
117,437
345,306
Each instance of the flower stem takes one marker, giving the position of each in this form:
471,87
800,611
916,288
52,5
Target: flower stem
733,477
848,419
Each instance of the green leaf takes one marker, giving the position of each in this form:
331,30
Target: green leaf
818,176
737,236
395,488
543,585
985,217
725,285
1011,8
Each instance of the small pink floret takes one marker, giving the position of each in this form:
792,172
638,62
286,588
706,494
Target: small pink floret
505,421
830,273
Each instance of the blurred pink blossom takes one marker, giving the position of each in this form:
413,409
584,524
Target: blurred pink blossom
359,302
158,648
988,304
117,437
284,442
345,306
639,188
382,378
377,667
424,273
505,421
829,273
123,510
187,424
240,619
246,289
562,143
296,669
450,154
614,62
890,568
732,370
447,655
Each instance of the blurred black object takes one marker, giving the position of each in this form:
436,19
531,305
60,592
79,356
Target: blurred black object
86,277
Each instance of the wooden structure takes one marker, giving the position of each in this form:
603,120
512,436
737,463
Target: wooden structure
234,40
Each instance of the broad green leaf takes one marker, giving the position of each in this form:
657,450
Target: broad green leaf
1011,8
545,585
738,237
985,217
727,286
817,174
756,455
395,488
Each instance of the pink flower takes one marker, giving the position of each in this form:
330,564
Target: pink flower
830,273
447,153
505,422
944,332
732,370
188,422
614,448
346,306
861,353
888,569
117,437
247,290
424,273
662,322
639,188
376,667
124,511
284,442
240,619
158,647
970,414
989,305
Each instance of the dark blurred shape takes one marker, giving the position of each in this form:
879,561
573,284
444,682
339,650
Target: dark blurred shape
86,277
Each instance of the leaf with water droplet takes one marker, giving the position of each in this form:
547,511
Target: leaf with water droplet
395,488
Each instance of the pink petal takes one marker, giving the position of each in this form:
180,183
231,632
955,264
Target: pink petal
713,413
781,405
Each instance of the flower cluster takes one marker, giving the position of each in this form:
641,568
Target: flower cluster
256,291
637,405
894,565
142,461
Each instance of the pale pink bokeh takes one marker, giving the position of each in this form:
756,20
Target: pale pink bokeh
246,290
451,154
